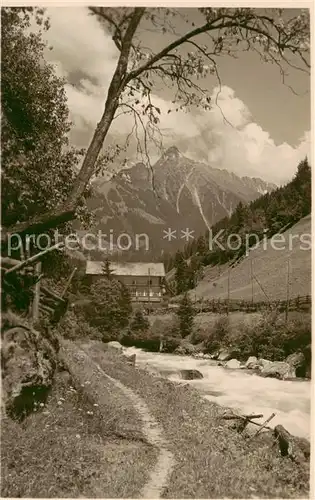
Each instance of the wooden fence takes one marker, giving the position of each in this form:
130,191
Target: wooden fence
45,302
300,303
52,305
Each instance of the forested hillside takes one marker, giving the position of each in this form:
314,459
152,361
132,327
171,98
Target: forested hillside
262,218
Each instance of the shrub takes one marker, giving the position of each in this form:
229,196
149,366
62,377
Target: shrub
274,339
109,309
166,329
218,337
139,323
73,326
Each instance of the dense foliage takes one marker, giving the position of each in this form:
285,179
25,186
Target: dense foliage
218,336
270,35
109,307
264,217
139,323
185,315
275,339
38,164
270,337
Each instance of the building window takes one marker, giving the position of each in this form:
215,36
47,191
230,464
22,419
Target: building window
134,282
144,293
151,293
149,282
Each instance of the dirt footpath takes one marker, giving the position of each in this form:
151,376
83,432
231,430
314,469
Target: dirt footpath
210,459
124,417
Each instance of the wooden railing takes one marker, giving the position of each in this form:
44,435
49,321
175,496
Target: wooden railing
299,303
48,302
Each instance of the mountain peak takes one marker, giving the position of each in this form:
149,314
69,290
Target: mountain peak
139,164
172,153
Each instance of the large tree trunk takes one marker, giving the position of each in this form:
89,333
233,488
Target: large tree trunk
88,166
40,223
66,211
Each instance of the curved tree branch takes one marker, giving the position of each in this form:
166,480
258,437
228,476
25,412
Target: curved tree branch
273,38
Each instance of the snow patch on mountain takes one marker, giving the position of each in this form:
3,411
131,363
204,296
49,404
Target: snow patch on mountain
198,203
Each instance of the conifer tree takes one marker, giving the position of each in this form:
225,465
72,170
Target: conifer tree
185,314
181,273
125,304
201,246
139,323
110,307
106,269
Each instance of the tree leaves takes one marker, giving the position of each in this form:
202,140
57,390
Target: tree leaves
37,161
110,306
43,154
185,314
263,217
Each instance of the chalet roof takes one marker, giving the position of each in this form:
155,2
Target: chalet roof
127,268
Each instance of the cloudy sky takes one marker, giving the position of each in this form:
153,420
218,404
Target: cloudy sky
266,127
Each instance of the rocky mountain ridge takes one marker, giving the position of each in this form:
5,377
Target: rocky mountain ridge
177,193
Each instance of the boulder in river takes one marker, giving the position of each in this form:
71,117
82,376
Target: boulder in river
232,364
215,355
278,369
131,359
298,362
227,354
114,346
207,356
263,363
199,355
190,374
251,362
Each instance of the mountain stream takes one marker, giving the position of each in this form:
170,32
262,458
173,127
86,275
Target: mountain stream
239,389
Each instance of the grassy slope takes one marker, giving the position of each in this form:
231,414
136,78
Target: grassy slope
270,268
64,451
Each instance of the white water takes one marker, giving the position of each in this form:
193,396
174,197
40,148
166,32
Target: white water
239,389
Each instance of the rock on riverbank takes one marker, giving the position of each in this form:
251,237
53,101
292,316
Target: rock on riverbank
294,365
212,460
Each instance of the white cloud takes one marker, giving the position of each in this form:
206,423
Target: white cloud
84,53
81,44
226,136
246,148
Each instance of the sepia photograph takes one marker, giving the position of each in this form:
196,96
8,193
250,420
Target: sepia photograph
156,251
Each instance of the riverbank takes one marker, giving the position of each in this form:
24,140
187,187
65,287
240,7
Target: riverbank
83,442
212,460
207,458
240,389
269,337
